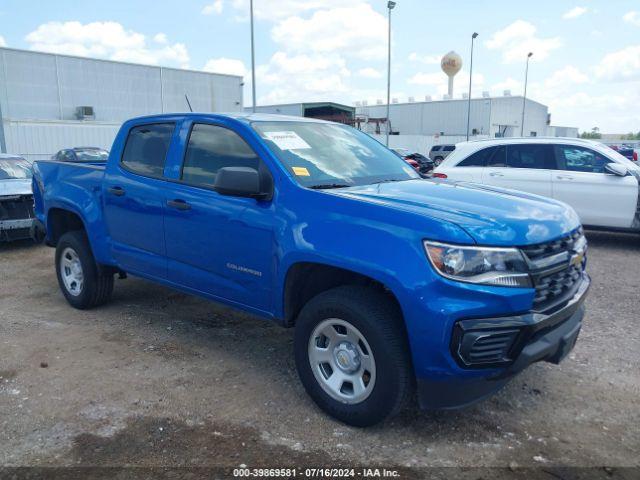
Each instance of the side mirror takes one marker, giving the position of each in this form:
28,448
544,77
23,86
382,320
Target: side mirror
239,182
616,169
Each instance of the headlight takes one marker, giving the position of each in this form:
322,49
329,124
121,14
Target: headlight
504,267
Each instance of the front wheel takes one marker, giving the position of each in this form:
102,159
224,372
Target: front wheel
80,280
352,355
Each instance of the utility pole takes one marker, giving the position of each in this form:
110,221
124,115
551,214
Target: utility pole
253,61
390,6
473,37
524,97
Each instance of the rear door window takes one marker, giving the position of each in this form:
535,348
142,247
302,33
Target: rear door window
449,148
146,149
534,155
498,158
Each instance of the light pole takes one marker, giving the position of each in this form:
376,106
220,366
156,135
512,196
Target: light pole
253,61
473,37
524,97
390,6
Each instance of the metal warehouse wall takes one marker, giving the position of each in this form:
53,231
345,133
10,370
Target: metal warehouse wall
39,94
507,111
429,118
450,116
39,140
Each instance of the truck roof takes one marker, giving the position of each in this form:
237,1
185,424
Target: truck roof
245,117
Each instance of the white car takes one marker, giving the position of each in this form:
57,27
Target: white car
599,183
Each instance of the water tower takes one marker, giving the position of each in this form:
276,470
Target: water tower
451,64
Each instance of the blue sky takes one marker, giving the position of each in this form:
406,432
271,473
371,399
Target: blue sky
586,63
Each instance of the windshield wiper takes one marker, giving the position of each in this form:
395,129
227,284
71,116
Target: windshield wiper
329,185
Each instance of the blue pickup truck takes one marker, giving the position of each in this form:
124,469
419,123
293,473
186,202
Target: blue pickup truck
393,283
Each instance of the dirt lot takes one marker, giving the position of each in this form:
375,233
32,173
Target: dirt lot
158,378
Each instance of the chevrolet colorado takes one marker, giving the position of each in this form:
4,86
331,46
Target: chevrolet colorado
392,282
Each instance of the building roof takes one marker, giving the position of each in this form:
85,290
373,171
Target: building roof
93,59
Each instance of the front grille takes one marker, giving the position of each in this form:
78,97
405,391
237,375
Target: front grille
542,250
16,208
555,273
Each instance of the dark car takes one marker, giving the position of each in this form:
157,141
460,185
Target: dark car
82,154
626,151
425,164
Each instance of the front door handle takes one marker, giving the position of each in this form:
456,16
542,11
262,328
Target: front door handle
178,204
117,191
564,177
496,174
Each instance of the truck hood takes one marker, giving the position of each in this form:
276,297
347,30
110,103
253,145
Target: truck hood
10,187
491,216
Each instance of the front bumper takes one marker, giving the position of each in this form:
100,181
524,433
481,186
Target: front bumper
15,229
531,338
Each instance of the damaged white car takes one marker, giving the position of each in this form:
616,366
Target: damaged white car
16,198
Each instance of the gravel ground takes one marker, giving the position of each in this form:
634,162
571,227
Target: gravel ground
158,378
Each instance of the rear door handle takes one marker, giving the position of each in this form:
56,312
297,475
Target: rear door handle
496,174
117,191
564,177
179,204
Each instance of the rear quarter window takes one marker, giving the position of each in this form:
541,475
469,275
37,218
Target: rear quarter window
146,148
477,159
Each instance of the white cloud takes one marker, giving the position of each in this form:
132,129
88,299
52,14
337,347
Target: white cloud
426,59
369,72
292,78
3,43
160,38
622,65
230,66
515,86
273,10
518,39
438,83
213,8
435,78
632,17
575,12
105,40
566,76
357,31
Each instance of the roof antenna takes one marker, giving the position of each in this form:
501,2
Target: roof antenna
188,102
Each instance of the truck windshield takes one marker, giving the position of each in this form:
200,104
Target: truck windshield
14,169
326,155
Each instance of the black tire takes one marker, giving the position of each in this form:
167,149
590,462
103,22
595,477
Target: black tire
379,320
438,161
96,287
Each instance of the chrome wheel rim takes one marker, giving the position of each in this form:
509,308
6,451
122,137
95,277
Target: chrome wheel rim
71,271
342,361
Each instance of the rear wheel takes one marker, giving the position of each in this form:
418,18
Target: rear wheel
352,355
438,161
79,277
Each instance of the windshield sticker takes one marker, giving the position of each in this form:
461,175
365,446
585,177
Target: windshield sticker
301,171
287,140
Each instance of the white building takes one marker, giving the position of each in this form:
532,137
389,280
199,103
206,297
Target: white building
49,102
489,116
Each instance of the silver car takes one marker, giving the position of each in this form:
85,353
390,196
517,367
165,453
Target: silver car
439,152
16,198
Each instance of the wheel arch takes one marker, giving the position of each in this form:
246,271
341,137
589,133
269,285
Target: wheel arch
306,279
